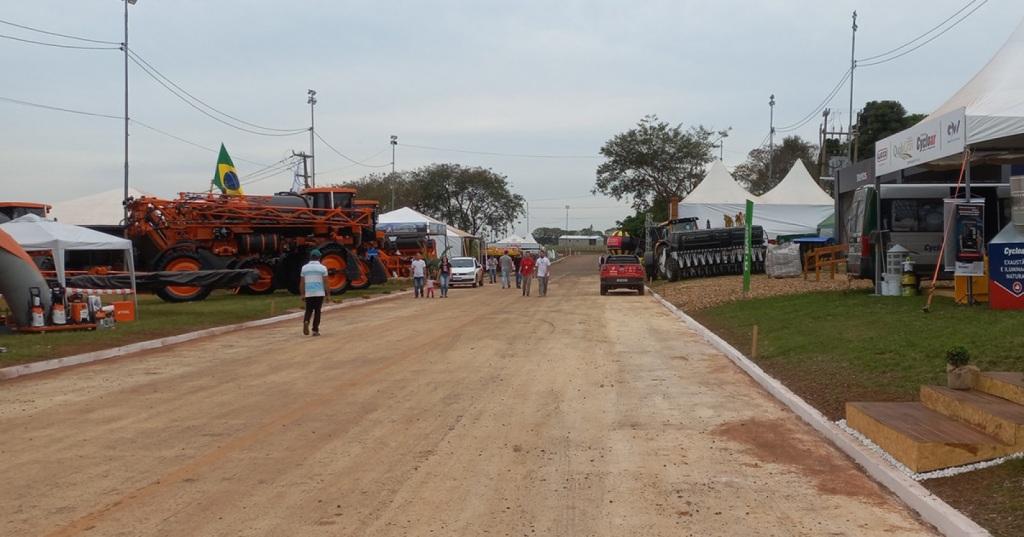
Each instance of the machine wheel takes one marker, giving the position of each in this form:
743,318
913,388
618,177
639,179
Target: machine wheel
662,256
335,258
181,261
671,267
263,286
364,276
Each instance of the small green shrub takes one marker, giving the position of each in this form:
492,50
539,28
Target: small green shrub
958,356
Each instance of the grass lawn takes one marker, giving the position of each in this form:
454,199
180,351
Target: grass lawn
160,319
835,347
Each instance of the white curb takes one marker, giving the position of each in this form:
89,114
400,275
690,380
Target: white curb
932,509
95,356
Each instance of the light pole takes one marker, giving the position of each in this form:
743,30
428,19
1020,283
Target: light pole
124,47
771,137
311,101
853,66
394,144
567,218
722,135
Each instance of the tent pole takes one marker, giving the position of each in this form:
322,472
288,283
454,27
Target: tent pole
131,272
967,191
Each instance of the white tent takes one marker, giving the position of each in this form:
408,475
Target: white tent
101,208
445,237
34,233
515,241
794,207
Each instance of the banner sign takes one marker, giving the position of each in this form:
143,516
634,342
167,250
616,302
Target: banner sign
747,247
927,141
968,239
1006,274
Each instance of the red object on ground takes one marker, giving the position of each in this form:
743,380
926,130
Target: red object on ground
622,272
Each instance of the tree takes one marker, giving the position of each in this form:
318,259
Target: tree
754,172
379,186
548,235
634,223
472,199
654,160
879,119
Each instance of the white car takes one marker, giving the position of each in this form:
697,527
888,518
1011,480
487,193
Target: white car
466,271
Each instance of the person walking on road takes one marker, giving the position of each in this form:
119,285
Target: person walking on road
313,289
543,267
519,276
444,270
419,273
492,268
526,269
506,269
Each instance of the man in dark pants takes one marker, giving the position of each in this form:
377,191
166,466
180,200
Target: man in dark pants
313,289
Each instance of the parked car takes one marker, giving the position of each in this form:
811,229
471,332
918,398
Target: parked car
466,271
622,272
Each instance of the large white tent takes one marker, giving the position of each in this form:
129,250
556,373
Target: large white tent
446,237
515,241
101,208
34,233
794,207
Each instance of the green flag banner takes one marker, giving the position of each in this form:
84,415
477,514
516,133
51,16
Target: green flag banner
747,249
225,177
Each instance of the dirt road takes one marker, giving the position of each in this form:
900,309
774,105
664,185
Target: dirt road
482,414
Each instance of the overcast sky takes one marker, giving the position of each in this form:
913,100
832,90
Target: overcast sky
525,77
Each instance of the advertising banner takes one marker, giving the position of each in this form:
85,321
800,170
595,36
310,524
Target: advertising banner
1006,275
968,239
927,141
747,247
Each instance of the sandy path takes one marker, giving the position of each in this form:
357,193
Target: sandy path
486,413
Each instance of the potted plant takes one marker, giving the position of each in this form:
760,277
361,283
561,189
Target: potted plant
959,374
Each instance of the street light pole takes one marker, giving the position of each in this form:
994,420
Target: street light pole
311,101
853,66
124,47
394,144
567,218
771,138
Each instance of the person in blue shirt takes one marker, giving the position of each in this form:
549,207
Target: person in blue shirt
314,289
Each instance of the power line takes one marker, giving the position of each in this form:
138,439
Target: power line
347,166
59,109
348,158
929,40
208,106
189,142
204,112
9,23
496,154
80,47
914,40
825,102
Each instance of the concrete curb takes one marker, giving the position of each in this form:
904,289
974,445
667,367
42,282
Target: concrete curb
930,507
21,370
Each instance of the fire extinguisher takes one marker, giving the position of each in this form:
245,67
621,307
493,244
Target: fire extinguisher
57,312
35,305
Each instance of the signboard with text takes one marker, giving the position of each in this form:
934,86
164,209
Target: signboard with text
1006,274
927,141
968,238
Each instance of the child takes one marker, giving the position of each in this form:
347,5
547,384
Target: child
430,288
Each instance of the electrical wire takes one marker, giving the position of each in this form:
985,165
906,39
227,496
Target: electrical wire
204,112
189,142
914,40
136,55
347,166
821,106
933,38
348,158
58,109
80,47
496,154
9,23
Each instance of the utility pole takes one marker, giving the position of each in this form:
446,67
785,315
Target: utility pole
771,138
124,47
853,66
822,166
527,216
311,101
394,144
305,168
567,218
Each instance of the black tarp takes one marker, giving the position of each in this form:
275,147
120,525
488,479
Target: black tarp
217,279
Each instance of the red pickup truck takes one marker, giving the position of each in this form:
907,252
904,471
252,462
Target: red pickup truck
622,272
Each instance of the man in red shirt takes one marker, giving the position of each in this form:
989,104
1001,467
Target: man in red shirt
526,270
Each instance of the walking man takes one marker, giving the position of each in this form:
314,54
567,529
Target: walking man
506,269
313,289
526,269
492,268
419,273
543,267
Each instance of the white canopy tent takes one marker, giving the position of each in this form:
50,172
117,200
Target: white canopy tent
101,208
515,241
447,238
34,233
794,207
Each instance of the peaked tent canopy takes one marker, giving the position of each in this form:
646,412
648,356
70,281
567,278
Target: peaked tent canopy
515,241
406,219
993,101
797,188
99,209
719,186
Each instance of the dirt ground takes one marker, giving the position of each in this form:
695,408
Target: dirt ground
701,293
486,413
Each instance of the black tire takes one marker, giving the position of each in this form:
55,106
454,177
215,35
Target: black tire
181,261
671,268
265,285
288,273
336,258
364,276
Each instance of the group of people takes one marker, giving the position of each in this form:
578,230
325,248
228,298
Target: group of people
525,268
424,278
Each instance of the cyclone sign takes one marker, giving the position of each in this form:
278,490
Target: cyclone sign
1006,272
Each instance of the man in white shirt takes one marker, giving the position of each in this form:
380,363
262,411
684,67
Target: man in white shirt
419,274
543,272
314,289
507,267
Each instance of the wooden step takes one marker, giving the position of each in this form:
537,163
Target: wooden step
920,438
992,415
1008,385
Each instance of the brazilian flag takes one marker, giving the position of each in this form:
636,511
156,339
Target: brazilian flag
225,177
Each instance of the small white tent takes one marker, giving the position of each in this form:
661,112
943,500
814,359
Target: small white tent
797,188
34,233
515,241
717,195
446,238
102,208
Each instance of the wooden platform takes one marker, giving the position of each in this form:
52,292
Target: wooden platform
948,427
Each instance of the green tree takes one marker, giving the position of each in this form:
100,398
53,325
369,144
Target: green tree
634,223
879,119
654,160
548,235
753,173
472,199
379,186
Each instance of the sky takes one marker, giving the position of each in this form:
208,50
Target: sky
532,77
